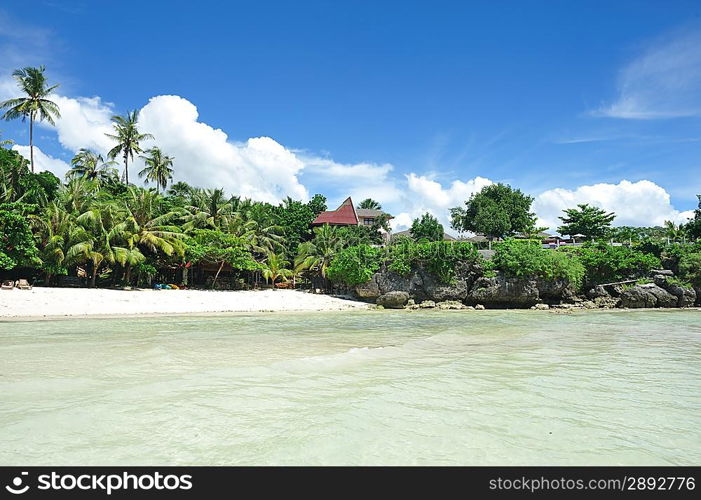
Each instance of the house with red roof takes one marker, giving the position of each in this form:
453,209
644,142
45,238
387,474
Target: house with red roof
347,215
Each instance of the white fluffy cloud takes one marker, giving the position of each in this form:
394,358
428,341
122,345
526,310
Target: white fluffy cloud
83,123
259,168
663,82
424,194
641,203
44,162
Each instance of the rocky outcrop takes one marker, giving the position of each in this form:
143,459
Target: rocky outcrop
647,295
393,300
369,290
686,297
504,292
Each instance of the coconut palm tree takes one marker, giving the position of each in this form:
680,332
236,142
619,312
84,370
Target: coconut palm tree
316,255
92,166
158,168
371,204
35,105
128,139
209,208
274,267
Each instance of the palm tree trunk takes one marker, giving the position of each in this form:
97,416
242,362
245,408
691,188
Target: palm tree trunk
93,278
126,169
127,274
217,275
31,140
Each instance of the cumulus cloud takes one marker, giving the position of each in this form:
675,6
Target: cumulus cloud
259,168
641,203
663,82
83,123
44,162
424,194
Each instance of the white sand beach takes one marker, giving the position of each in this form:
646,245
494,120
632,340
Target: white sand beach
48,302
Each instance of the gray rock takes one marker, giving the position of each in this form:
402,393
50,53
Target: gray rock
393,300
369,290
479,307
502,291
427,304
450,304
648,295
663,272
597,291
541,307
686,297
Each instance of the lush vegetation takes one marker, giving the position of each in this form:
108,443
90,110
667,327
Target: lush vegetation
95,225
496,211
590,222
524,259
427,227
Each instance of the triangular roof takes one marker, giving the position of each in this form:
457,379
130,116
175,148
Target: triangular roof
344,215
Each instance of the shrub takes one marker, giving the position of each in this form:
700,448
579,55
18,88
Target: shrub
606,263
690,268
524,259
355,265
439,257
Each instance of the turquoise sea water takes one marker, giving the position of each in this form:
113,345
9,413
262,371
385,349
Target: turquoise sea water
377,387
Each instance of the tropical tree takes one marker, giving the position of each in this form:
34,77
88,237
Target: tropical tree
209,208
274,267
35,106
316,255
6,142
158,168
427,227
369,203
589,221
496,211
92,166
128,139
674,232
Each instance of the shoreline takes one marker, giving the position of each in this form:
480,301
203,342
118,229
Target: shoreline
65,303
85,303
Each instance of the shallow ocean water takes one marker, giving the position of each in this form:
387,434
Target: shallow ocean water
375,387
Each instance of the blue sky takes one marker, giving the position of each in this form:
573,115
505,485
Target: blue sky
416,104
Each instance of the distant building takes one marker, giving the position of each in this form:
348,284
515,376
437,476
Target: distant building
347,215
407,234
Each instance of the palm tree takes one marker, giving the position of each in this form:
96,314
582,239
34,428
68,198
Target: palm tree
209,209
371,204
128,139
180,189
6,142
274,268
158,168
316,255
36,106
92,166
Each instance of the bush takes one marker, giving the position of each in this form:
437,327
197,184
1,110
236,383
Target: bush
355,265
605,263
524,259
690,268
439,257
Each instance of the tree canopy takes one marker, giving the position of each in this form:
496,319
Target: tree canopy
591,222
427,227
496,211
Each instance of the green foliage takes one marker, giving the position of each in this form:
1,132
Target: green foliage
592,222
496,211
526,259
216,247
439,257
605,263
17,248
295,218
693,227
355,265
690,268
427,227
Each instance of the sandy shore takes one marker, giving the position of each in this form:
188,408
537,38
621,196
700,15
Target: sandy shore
51,302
